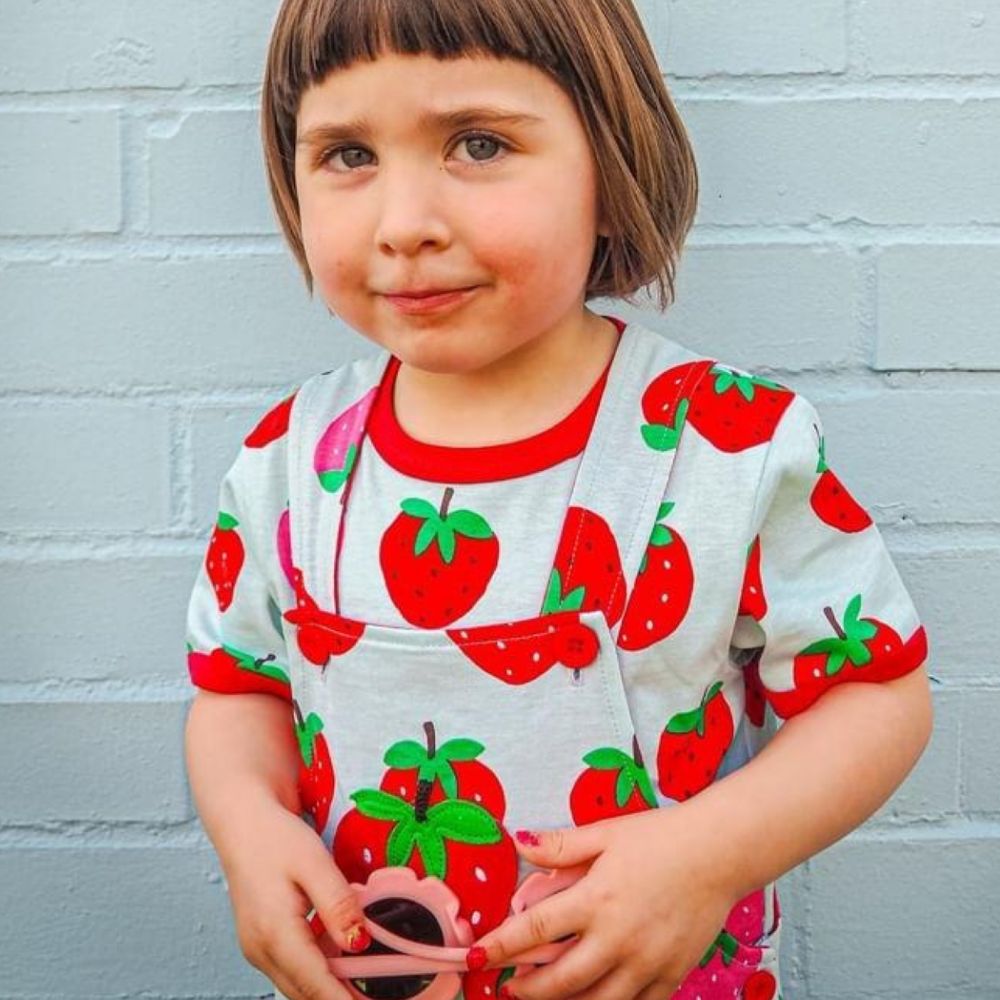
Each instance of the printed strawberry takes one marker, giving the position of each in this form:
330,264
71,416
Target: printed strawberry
229,670
760,986
753,601
337,449
283,543
663,587
832,502
320,634
272,426
451,769
587,574
724,970
456,841
862,649
317,779
518,652
731,409
436,565
693,744
614,784
224,559
484,984
754,690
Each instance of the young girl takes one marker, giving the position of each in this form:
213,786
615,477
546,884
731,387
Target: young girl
515,607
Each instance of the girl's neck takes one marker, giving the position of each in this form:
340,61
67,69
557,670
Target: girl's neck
527,392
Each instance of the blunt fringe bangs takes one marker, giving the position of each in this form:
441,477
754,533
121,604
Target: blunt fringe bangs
597,50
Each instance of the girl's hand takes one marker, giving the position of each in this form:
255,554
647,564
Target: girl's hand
277,869
646,911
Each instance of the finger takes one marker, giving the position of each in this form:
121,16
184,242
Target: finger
562,846
337,907
582,965
299,967
547,920
659,989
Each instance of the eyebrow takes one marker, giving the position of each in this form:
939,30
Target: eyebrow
328,132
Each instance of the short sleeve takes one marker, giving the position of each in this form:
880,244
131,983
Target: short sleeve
822,599
235,641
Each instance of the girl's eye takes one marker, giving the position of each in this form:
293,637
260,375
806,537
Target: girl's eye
478,142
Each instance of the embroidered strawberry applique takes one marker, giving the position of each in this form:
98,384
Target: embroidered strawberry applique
453,839
437,564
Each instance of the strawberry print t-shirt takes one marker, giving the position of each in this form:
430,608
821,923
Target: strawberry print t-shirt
734,594
439,536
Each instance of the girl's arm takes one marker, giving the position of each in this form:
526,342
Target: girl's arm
239,747
823,773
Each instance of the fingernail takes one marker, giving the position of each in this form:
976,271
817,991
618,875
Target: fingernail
475,958
358,938
527,837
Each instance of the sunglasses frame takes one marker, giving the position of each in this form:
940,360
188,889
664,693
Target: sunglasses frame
445,961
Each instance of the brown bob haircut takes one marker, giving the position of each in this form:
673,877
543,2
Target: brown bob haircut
596,50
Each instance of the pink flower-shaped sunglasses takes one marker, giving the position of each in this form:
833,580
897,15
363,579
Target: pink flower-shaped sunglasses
419,941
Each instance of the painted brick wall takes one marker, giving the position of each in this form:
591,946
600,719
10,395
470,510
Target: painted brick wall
846,244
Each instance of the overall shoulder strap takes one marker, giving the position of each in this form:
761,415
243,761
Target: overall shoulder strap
624,470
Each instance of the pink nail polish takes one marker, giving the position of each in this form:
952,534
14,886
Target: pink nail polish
527,837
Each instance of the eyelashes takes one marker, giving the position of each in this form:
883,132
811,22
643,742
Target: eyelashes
324,158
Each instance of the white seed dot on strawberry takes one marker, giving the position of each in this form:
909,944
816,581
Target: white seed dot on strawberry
509,672
477,871
478,797
664,598
464,634
366,854
402,789
536,657
475,918
649,623
817,673
552,628
666,564
753,590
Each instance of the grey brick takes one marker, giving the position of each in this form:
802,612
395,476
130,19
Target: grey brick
207,177
59,173
103,762
980,765
84,465
898,161
705,37
733,304
927,36
116,619
90,44
216,436
937,308
956,593
202,322
901,453
905,918
119,921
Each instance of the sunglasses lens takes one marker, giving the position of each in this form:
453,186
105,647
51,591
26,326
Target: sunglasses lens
407,919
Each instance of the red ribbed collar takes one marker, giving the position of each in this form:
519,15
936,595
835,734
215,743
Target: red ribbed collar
439,463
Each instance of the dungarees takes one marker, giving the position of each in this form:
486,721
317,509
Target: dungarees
442,742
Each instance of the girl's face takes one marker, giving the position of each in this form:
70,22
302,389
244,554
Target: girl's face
404,185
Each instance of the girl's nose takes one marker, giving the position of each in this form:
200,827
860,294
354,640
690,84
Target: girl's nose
410,211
